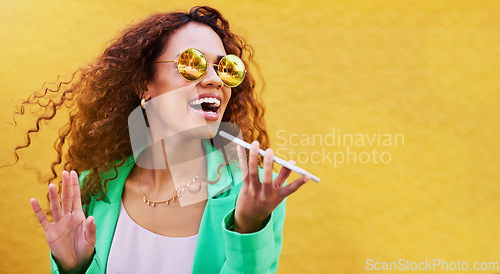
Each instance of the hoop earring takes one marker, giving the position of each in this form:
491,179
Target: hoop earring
143,103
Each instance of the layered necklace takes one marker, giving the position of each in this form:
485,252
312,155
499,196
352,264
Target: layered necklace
193,186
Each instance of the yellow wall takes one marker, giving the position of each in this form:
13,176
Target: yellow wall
425,71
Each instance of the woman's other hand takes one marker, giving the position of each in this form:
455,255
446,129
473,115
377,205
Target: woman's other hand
71,236
257,200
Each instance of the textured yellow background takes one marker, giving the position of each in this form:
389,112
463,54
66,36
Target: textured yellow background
428,70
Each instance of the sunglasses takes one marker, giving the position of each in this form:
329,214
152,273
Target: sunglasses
192,66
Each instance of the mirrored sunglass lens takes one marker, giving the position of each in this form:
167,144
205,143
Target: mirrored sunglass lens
231,70
192,65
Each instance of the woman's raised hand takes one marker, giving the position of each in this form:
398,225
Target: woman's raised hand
257,200
71,237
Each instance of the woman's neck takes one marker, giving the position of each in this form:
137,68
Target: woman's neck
172,163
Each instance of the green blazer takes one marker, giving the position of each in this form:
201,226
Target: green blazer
218,249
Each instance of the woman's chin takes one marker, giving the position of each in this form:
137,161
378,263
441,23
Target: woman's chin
206,131
213,128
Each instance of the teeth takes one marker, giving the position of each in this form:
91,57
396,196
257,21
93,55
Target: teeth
209,100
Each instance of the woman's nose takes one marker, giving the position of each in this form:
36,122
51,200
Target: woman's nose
211,78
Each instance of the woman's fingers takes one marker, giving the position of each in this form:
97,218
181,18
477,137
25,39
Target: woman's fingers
90,231
282,176
55,206
267,176
66,193
292,187
75,190
40,214
268,184
243,163
253,165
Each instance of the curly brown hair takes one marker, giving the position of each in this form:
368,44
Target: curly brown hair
101,96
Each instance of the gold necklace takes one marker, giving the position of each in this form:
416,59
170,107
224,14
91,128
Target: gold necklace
193,187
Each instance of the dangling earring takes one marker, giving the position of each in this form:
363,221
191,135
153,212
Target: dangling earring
143,103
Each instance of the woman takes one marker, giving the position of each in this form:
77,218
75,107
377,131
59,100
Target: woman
178,204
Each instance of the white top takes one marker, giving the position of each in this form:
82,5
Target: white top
137,250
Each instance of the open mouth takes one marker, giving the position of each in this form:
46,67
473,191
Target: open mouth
206,104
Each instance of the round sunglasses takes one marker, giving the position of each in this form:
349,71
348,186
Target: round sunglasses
192,66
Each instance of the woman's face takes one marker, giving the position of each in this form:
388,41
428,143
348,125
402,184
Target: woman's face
189,108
